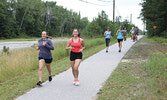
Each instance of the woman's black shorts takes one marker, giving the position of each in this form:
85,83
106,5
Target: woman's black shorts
120,40
48,61
107,42
74,56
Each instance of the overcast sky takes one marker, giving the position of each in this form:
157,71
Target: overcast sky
123,8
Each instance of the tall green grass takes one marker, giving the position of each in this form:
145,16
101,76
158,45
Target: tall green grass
17,62
158,39
22,61
143,78
156,68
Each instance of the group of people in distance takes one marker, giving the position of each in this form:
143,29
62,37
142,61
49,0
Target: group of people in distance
121,35
134,33
76,45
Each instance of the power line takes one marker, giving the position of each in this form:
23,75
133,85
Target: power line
118,11
94,3
104,1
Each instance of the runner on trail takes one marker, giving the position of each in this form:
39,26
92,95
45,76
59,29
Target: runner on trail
132,34
136,32
120,37
124,33
108,36
45,46
75,44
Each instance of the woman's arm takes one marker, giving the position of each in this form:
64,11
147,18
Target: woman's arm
38,46
83,45
104,34
111,36
117,32
49,45
68,45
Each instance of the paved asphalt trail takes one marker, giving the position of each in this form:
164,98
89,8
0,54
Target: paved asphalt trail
24,44
94,71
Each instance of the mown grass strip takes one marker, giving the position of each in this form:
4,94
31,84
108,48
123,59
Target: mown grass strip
143,77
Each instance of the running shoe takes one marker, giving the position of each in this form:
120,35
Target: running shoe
50,78
76,82
39,83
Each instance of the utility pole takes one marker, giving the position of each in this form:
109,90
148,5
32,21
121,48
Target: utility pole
71,23
144,27
130,18
113,10
113,16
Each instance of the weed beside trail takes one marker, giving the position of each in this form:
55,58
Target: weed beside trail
156,69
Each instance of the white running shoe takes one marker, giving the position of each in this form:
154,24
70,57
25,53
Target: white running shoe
76,82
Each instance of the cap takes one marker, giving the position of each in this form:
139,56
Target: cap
108,27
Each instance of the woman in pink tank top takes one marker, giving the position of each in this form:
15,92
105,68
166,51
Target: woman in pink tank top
75,44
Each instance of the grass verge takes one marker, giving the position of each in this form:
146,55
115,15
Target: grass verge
18,85
141,75
27,39
20,39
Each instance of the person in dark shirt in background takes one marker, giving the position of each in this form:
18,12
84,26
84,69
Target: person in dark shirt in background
136,32
124,33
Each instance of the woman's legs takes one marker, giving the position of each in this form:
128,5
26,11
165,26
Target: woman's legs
107,44
49,68
75,67
41,66
133,38
125,37
107,49
72,65
120,45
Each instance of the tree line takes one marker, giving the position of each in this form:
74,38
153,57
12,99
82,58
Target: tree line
154,14
20,18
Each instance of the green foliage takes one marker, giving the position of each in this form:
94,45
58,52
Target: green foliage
5,49
154,13
98,25
30,17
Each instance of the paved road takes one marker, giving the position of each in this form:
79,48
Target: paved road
94,71
23,44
